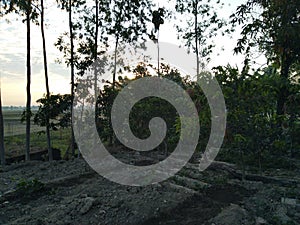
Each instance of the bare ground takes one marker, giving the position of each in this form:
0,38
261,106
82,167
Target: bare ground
72,193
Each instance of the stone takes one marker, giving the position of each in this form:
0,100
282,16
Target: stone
260,221
289,201
86,205
233,214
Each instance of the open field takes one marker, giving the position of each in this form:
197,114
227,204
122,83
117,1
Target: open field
14,126
14,135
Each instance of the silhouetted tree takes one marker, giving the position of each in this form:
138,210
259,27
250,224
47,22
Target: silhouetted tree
276,31
127,23
202,24
71,6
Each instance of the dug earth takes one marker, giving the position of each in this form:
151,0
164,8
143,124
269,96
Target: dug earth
70,192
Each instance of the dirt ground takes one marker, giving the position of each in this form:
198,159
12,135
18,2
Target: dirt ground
70,192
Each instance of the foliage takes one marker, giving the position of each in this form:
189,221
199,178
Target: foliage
91,36
157,18
57,108
252,127
63,42
123,20
275,29
202,24
263,106
144,110
21,8
127,19
252,122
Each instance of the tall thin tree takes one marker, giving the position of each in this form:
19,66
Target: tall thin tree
50,153
2,148
72,65
95,53
202,24
157,20
24,8
127,23
28,91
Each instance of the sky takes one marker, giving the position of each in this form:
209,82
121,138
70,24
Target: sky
13,53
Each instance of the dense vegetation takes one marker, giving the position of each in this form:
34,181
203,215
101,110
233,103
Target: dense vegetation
263,105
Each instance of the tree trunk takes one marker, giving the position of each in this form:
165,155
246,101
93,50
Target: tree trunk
158,57
196,35
28,104
243,162
50,153
283,91
115,65
96,50
72,76
95,68
2,149
96,30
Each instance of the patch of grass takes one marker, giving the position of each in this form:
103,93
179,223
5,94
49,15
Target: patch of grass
27,187
220,180
60,139
13,125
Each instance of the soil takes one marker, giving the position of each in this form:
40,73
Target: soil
70,192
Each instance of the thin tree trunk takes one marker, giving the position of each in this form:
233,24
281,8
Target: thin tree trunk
96,30
259,162
94,55
196,35
96,49
115,65
72,76
50,153
158,53
111,138
243,163
283,91
28,104
2,149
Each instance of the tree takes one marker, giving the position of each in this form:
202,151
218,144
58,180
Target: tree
46,80
92,37
144,110
275,31
2,148
127,23
69,53
57,108
157,20
202,24
25,8
72,74
28,91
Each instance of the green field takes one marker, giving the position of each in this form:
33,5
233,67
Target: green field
14,135
13,125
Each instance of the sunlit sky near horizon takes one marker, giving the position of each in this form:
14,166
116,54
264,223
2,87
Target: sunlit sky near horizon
13,53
